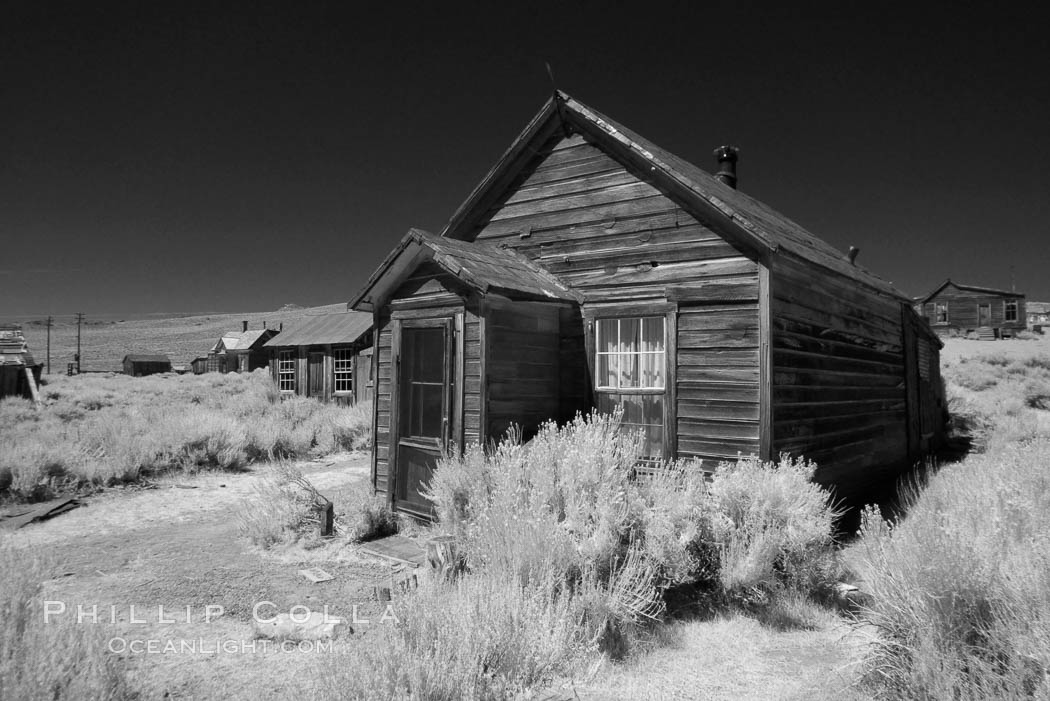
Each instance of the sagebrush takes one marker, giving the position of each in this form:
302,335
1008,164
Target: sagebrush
102,430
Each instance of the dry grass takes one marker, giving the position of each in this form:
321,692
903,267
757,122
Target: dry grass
103,430
961,587
48,660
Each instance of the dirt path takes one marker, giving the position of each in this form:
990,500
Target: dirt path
176,548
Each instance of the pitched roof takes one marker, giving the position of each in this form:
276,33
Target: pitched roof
243,340
146,358
968,288
750,224
323,329
482,266
1037,307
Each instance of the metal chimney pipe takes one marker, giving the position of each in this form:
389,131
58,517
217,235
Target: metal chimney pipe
727,157
244,325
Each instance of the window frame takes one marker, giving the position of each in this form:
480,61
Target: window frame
668,315
1007,303
286,361
346,374
940,308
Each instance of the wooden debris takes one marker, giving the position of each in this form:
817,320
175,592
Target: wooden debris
396,549
316,574
38,513
441,555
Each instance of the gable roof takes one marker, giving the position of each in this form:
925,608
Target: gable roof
968,288
323,329
482,266
146,358
747,223
243,340
1037,307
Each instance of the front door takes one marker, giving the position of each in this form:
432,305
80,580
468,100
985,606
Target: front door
424,394
984,315
315,386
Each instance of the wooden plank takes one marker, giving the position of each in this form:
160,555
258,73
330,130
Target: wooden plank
671,394
592,214
567,187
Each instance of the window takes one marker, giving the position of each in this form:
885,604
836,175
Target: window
630,367
344,369
940,312
1010,310
286,371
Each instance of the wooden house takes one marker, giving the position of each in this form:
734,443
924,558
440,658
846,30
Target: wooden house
140,364
19,373
241,351
956,308
328,356
591,268
199,365
1038,314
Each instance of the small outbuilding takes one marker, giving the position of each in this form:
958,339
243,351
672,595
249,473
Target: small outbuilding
954,308
140,365
199,365
593,269
1038,314
327,356
19,373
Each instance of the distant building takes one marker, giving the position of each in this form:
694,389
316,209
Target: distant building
19,373
240,351
956,308
328,356
199,365
140,365
1038,314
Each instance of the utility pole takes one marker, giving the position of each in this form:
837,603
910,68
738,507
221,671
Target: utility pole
80,318
49,321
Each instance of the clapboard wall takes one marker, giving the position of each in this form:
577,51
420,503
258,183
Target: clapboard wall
610,235
838,374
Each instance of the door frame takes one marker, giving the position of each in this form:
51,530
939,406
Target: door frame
988,317
450,400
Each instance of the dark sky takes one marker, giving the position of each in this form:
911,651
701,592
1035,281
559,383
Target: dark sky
244,156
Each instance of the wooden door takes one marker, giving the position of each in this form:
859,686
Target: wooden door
424,403
315,371
984,315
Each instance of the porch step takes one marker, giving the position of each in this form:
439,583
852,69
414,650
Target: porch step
986,333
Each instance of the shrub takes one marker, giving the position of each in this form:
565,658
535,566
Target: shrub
101,430
480,637
48,660
368,517
961,588
283,509
774,527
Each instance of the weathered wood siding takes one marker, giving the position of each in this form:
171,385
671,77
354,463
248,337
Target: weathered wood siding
522,369
839,385
429,293
383,358
963,310
612,236
717,381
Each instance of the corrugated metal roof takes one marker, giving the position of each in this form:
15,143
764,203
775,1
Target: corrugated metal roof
322,329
